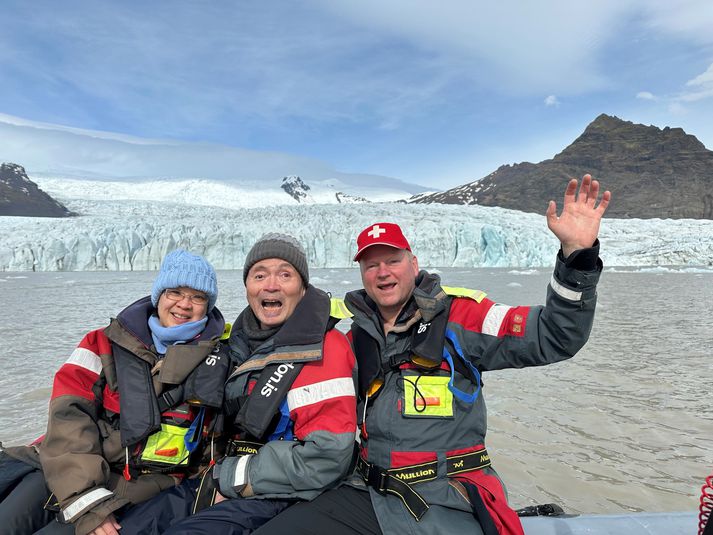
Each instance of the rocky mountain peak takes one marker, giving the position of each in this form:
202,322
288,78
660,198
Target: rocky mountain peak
651,172
295,187
12,173
608,136
20,196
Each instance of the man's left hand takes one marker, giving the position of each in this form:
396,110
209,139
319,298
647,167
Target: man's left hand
577,226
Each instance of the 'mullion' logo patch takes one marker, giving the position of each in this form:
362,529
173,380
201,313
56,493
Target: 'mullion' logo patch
245,450
419,474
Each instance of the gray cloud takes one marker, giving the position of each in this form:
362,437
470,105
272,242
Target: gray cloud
62,151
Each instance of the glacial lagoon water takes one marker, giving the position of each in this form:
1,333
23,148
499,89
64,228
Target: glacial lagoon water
627,425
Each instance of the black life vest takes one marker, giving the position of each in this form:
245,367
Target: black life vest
140,407
300,340
425,351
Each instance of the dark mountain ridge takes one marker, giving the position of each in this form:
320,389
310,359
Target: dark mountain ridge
652,173
19,196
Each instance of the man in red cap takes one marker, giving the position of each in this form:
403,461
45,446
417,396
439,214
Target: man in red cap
384,245
421,349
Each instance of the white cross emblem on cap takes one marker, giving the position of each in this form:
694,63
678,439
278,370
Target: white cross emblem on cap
376,231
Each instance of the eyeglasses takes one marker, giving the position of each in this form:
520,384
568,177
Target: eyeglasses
177,295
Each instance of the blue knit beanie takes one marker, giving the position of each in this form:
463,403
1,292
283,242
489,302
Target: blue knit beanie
181,268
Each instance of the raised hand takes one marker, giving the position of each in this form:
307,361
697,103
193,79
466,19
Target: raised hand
577,226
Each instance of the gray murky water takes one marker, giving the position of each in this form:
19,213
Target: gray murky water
627,425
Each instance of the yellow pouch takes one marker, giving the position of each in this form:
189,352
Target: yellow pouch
167,446
427,396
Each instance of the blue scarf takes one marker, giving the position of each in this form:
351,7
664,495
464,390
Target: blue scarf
178,334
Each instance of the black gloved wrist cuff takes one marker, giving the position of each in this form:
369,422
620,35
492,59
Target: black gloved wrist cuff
582,259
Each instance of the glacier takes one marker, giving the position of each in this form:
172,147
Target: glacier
204,192
119,233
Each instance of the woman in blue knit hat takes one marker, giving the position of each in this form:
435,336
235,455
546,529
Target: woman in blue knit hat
131,412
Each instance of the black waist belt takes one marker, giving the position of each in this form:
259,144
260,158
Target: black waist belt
238,448
398,481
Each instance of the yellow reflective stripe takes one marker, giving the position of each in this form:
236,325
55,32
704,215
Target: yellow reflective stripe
338,309
226,331
475,295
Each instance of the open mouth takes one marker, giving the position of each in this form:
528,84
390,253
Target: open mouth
180,317
386,287
271,304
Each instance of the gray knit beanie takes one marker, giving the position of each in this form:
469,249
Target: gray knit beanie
276,245
181,268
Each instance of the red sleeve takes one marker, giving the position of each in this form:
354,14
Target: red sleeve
323,397
489,318
80,372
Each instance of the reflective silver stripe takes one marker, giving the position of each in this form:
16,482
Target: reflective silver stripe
83,503
494,319
316,392
85,359
565,292
240,478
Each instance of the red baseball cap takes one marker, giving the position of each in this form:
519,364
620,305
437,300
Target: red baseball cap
381,234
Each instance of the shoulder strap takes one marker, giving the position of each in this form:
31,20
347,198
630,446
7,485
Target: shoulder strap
427,339
140,414
267,395
204,385
171,398
368,357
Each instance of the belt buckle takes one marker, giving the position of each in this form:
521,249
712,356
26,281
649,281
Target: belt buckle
376,479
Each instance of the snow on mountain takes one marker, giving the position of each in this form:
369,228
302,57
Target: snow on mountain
187,191
331,192
245,194
297,189
134,235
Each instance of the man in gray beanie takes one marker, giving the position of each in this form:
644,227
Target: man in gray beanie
290,404
276,278
276,245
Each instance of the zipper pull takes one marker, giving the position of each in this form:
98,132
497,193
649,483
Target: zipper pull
363,419
212,451
127,474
